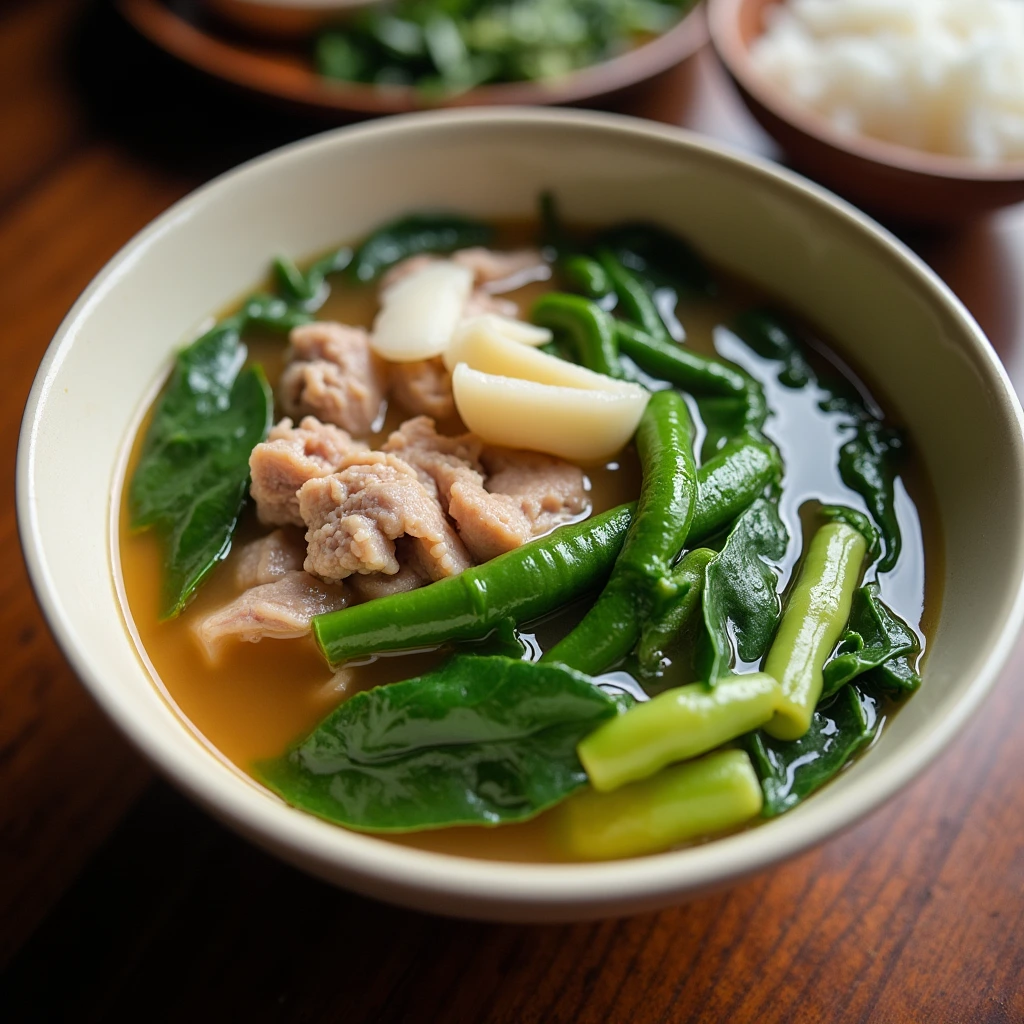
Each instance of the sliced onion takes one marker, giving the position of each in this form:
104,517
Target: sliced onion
504,327
579,424
419,313
481,346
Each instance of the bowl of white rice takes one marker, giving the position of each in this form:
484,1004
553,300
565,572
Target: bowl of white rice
911,108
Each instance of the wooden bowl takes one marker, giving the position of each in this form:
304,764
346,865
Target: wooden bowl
893,181
288,75
283,19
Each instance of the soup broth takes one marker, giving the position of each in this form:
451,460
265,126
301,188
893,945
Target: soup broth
258,699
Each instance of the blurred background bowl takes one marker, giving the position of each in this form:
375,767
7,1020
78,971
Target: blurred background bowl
893,181
284,19
287,74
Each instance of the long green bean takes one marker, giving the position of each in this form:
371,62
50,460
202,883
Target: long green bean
691,800
812,623
674,726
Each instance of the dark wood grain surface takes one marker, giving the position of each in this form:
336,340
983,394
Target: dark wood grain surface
120,900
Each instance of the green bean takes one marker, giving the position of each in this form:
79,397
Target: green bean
675,726
812,623
519,585
664,628
588,276
589,328
634,301
688,801
414,234
640,582
686,369
731,481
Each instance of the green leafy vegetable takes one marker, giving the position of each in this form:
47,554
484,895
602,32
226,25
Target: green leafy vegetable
658,256
413,234
868,460
193,473
741,602
482,740
444,47
877,642
790,770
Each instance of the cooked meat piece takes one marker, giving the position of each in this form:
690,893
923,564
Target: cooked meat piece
489,524
266,559
333,375
369,588
492,267
527,494
282,609
481,302
354,517
423,387
438,459
287,459
550,491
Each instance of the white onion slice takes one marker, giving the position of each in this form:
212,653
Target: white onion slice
505,327
479,344
578,424
419,313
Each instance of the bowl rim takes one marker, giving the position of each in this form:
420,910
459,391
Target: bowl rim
734,53
220,58
495,889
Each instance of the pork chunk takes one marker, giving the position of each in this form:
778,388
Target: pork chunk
424,387
549,491
354,517
334,376
282,610
439,460
270,557
525,495
287,459
379,584
492,267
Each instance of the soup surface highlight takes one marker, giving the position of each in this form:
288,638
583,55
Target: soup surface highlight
256,700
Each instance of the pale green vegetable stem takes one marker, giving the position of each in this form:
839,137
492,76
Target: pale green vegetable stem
676,725
691,800
812,623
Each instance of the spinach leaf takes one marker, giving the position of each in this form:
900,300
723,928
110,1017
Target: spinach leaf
764,333
868,460
877,642
482,740
193,473
660,256
309,290
741,602
866,465
271,313
413,234
791,770
726,417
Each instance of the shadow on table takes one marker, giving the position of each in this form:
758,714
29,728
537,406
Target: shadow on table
177,919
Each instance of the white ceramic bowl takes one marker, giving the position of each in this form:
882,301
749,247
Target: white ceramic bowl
793,239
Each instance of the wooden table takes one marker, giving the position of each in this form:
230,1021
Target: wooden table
117,897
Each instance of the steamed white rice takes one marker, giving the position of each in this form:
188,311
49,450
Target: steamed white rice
945,76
